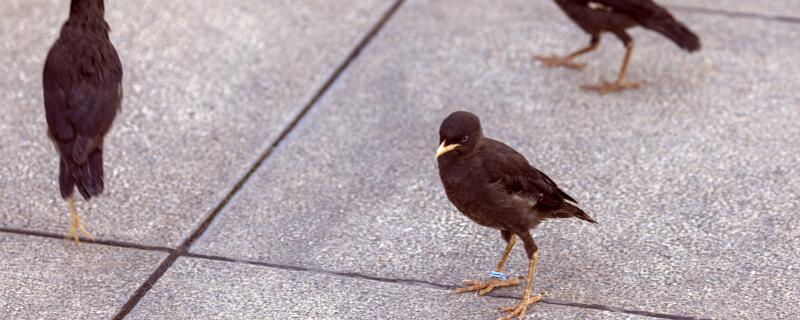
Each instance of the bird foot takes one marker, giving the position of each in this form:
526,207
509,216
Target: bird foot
608,87
75,228
484,287
518,310
556,61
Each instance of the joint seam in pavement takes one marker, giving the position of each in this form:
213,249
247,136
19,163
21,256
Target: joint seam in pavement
113,243
736,14
353,275
434,285
184,247
182,250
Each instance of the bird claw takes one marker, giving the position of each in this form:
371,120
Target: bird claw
75,232
484,287
556,61
606,87
518,310
76,229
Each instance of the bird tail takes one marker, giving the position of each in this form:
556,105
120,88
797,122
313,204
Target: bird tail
677,32
65,182
569,211
87,176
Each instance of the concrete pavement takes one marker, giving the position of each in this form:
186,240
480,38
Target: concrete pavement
693,178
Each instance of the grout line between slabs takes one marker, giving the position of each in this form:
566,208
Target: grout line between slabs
435,285
184,247
113,243
736,14
352,275
182,250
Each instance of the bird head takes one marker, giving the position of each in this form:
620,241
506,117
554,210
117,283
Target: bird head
459,134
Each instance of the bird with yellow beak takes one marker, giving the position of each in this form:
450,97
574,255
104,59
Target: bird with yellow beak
445,148
495,186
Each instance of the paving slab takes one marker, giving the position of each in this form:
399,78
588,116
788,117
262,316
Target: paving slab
208,86
693,178
206,289
44,278
775,8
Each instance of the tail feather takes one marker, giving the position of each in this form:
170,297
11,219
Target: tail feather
677,32
565,195
569,211
88,176
65,183
91,182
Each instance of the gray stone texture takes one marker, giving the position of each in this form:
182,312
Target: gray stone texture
693,178
782,8
51,279
208,85
203,289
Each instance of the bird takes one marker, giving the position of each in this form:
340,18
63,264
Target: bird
616,16
496,187
82,86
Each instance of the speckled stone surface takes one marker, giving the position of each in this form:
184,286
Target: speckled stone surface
693,178
208,86
50,279
782,8
203,289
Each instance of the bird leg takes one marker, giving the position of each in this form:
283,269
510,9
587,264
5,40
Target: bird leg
487,286
75,222
566,61
606,87
519,310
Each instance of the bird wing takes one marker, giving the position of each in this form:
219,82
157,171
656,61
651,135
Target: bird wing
654,17
640,10
512,172
79,110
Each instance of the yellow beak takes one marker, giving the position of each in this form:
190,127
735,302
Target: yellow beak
444,149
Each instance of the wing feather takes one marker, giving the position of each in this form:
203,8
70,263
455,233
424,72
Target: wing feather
654,17
517,177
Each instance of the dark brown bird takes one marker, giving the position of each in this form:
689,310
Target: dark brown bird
82,84
616,16
496,187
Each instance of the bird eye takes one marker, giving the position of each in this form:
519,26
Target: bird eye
465,139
